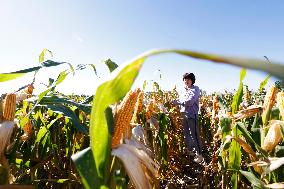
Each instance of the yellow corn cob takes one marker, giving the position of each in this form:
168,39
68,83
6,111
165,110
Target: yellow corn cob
28,128
273,136
139,104
246,96
123,117
149,110
269,101
29,90
280,103
9,107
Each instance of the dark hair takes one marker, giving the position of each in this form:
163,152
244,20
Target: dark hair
190,76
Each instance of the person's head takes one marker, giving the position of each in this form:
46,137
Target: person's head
189,79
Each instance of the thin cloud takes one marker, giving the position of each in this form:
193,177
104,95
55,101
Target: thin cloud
77,37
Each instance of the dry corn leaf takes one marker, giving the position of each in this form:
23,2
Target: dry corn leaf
274,164
249,112
246,147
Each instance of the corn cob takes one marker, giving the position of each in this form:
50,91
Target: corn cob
246,96
216,107
273,136
9,107
28,128
139,104
269,101
123,117
30,89
280,103
149,110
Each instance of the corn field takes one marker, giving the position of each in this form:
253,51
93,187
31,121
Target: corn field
125,137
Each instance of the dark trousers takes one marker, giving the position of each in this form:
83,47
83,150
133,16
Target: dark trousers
192,134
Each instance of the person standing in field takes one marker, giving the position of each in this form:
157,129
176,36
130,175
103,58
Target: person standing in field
189,102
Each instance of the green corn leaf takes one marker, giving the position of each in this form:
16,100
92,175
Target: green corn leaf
85,165
56,100
247,136
41,133
43,53
238,96
66,111
263,83
108,93
120,82
235,157
14,75
94,68
7,77
110,64
253,179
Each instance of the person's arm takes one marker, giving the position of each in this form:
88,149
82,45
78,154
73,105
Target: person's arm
191,97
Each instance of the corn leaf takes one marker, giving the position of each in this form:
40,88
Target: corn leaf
263,83
247,136
20,73
239,94
56,100
110,64
66,111
108,93
85,162
6,77
94,68
235,157
253,179
121,80
43,53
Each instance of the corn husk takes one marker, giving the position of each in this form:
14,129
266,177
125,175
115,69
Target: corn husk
273,136
275,185
270,165
249,112
138,165
6,129
269,101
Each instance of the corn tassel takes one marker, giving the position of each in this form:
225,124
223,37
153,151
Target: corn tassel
9,107
123,117
269,101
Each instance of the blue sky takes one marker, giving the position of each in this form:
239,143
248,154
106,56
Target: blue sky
87,32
